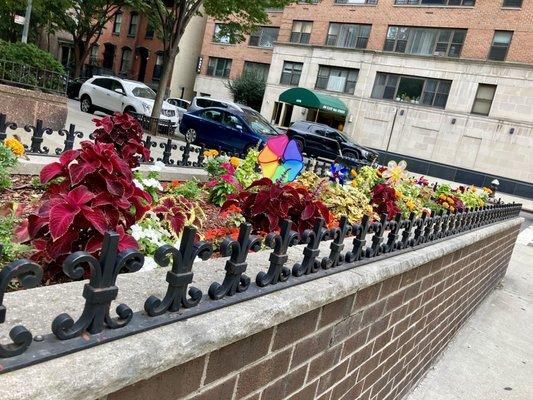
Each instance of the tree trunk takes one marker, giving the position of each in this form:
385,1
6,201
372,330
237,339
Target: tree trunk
168,65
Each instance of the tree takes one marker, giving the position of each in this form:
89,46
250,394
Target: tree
171,17
248,89
85,20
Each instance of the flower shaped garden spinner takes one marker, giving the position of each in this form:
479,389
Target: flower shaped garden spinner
281,159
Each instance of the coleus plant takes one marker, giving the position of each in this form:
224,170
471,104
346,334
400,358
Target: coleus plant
125,133
265,204
176,212
92,191
384,200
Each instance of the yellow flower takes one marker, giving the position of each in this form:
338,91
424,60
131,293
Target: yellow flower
487,190
399,194
235,161
16,147
353,173
211,153
410,204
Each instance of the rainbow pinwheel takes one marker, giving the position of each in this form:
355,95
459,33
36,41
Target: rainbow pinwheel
281,159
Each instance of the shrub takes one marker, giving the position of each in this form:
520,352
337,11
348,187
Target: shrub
125,133
96,194
248,89
30,55
265,204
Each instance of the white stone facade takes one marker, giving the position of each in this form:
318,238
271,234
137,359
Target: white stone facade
452,135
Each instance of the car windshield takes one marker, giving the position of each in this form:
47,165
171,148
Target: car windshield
258,123
143,91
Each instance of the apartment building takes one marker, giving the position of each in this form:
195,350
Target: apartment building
447,84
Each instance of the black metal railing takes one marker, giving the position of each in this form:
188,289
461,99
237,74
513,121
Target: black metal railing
23,75
96,325
157,125
166,148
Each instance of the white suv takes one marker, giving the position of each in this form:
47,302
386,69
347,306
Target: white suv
110,94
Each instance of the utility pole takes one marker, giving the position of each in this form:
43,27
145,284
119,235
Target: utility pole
26,27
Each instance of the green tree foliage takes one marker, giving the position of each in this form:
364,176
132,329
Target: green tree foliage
171,17
248,89
30,55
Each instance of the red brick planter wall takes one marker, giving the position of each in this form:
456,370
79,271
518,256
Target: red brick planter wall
375,344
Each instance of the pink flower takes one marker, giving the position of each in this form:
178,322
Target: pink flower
228,167
211,184
228,178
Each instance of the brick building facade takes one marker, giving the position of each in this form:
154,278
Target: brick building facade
451,83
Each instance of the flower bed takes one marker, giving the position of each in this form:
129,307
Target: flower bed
99,188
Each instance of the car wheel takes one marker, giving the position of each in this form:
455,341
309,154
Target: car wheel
86,105
350,154
190,135
299,144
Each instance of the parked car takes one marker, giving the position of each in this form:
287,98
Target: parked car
319,140
110,94
73,87
181,104
203,102
229,129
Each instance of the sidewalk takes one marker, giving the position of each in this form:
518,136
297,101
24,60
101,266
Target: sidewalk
491,358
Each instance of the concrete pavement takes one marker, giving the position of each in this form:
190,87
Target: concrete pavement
491,358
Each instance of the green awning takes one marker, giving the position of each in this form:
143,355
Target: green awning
310,99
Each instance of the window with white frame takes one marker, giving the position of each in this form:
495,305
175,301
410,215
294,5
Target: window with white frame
265,36
457,3
412,89
425,41
353,36
483,100
301,32
336,79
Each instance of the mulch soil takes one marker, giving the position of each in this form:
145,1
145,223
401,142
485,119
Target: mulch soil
23,192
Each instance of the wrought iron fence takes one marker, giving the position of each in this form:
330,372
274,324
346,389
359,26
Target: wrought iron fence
96,325
23,75
166,149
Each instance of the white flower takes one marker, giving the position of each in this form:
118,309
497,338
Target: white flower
152,183
138,184
157,166
136,231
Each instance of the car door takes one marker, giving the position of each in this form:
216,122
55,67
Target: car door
237,137
99,92
314,141
115,100
209,127
332,144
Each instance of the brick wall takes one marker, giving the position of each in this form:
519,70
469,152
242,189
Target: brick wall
375,344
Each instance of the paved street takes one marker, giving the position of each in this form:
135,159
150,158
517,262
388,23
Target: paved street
491,358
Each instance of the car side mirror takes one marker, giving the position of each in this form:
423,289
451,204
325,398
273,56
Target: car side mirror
119,91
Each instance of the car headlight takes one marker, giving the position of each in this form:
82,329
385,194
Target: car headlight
146,107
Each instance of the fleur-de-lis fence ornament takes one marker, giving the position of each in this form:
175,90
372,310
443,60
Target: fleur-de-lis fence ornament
70,137
378,228
167,152
185,155
419,230
4,125
407,227
37,137
280,242
180,275
313,237
428,229
101,289
235,280
29,275
149,144
394,227
360,232
335,257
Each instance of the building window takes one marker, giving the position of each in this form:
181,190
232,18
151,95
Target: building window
301,32
134,24
464,3
258,69
158,67
117,23
265,36
150,30
219,67
483,100
336,79
412,89
500,45
353,36
356,1
425,41
93,59
291,73
218,38
125,61
512,3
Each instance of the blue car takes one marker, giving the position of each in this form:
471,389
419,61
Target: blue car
233,130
